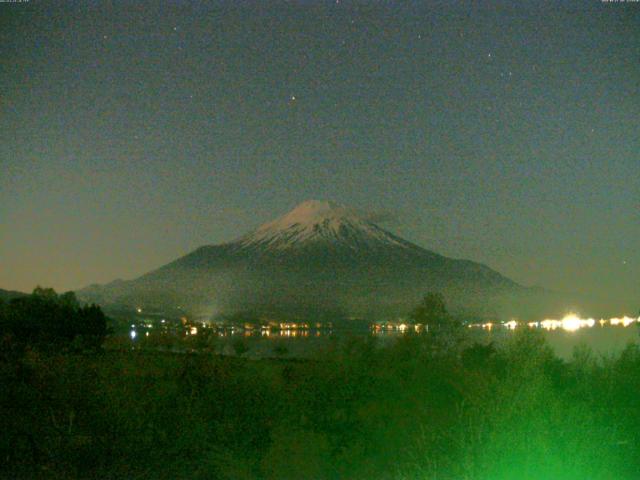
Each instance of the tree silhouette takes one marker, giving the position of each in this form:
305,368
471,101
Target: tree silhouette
432,311
46,318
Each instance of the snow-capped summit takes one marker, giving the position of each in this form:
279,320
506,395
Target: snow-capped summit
315,221
313,211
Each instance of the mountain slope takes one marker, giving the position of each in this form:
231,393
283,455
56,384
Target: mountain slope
8,295
319,257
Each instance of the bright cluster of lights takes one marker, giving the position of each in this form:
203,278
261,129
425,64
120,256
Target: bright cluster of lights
570,323
624,321
511,325
378,328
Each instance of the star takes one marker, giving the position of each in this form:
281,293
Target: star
293,98
175,29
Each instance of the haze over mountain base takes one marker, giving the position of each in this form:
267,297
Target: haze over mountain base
324,260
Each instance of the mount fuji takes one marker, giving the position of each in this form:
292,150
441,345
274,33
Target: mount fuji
319,258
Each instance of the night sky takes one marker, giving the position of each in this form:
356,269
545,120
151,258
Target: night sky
505,132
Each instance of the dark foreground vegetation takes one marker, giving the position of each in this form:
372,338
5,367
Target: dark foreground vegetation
428,406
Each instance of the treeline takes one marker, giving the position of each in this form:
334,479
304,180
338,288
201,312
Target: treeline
358,410
45,319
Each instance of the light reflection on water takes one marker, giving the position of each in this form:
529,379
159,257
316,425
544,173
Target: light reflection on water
604,336
570,322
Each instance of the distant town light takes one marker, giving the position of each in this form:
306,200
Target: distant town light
511,325
624,321
139,310
571,322
132,334
550,324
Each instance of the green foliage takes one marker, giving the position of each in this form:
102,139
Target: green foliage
432,311
47,319
280,349
239,346
358,410
444,331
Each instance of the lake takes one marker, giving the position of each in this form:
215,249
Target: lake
602,339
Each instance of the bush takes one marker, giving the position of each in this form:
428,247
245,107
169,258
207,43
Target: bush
47,320
358,410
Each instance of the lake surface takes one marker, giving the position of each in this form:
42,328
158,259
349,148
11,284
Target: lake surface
602,340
